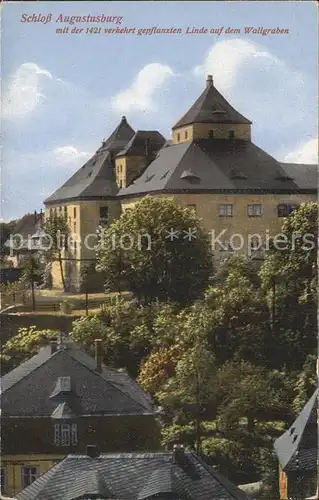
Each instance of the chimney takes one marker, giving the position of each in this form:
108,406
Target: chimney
92,451
179,456
123,119
147,147
209,81
98,355
54,345
35,216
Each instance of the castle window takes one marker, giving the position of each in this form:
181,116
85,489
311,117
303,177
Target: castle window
29,475
65,434
186,134
226,210
178,137
284,210
231,134
254,210
74,227
104,213
75,247
74,212
211,134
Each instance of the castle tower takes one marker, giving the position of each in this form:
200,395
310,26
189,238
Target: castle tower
211,116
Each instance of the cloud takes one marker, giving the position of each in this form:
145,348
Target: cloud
140,96
305,153
226,59
23,94
69,155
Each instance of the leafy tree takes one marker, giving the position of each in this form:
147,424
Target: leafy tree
26,343
57,235
151,249
31,275
289,280
306,384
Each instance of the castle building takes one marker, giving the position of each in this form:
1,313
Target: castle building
211,166
56,401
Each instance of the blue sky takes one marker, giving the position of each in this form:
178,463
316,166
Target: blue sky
62,94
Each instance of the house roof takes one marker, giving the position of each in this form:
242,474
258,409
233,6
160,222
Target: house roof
133,476
297,448
96,179
30,389
143,143
211,107
220,165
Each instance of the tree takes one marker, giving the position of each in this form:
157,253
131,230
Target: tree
159,250
30,275
57,235
289,280
26,344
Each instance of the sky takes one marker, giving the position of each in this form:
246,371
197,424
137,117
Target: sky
63,93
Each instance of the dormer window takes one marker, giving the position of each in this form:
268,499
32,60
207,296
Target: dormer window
65,384
231,134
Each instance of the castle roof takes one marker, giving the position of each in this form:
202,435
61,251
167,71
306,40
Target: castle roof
96,179
220,165
66,383
143,143
132,476
297,448
211,107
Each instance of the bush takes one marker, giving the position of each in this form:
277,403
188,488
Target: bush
66,307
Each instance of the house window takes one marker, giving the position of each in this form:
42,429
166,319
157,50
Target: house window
104,213
186,134
3,480
231,134
226,210
74,227
74,212
284,210
65,434
74,247
178,137
29,475
66,212
211,134
254,210
121,168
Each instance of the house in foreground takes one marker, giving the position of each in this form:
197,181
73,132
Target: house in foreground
61,399
132,476
297,452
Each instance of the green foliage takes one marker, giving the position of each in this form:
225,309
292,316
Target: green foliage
156,266
306,384
27,343
289,281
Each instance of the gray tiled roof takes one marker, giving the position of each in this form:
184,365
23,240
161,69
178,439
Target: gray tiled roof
297,448
141,141
132,476
219,165
27,390
96,179
211,107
